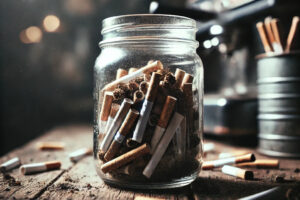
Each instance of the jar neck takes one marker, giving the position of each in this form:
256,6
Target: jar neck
149,29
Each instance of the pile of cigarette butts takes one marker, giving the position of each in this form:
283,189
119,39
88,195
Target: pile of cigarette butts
147,116
238,158
271,35
33,168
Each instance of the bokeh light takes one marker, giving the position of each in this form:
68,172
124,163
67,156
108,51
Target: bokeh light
32,34
51,23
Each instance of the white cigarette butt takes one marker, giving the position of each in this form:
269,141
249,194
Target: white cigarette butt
79,154
10,164
237,172
39,167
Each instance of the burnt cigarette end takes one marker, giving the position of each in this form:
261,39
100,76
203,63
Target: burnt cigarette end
138,96
119,94
133,86
144,87
249,175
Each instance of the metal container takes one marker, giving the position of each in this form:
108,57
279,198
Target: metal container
279,104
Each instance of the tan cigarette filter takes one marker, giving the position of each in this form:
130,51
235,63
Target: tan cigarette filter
207,165
121,73
153,87
106,105
40,167
237,172
125,79
294,30
128,122
188,78
114,109
260,164
262,33
132,69
167,111
138,96
50,145
125,158
179,75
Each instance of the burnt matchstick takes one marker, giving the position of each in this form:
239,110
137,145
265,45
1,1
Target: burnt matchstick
146,108
40,167
10,164
294,31
233,160
237,172
121,134
121,73
262,33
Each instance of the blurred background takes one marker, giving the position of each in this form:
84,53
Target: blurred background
48,49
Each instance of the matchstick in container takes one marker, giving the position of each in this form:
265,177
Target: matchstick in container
260,164
79,154
10,164
146,108
163,121
121,114
237,172
105,110
50,145
207,165
120,73
40,167
276,46
261,30
294,31
126,158
113,111
121,134
276,28
163,144
125,79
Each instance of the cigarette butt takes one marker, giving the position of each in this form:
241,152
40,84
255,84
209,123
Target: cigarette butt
188,78
79,154
10,164
179,75
167,111
233,160
113,111
121,73
138,96
237,172
133,69
208,147
50,145
128,122
125,79
232,154
260,164
144,87
163,144
294,30
146,108
188,93
106,105
40,167
121,114
261,30
125,158
277,32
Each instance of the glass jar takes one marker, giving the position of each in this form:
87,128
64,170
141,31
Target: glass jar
148,96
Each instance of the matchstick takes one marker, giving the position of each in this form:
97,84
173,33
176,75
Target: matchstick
294,31
276,47
261,30
277,33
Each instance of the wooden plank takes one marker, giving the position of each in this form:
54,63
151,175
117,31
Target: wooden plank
31,186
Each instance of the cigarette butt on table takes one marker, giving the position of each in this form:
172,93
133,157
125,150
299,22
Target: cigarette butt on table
276,28
79,154
40,167
146,108
163,121
260,164
179,75
237,172
207,165
125,158
121,134
50,145
232,154
125,79
113,111
262,33
294,31
10,164
121,72
121,114
163,144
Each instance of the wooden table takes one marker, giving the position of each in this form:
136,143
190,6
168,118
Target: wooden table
80,181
